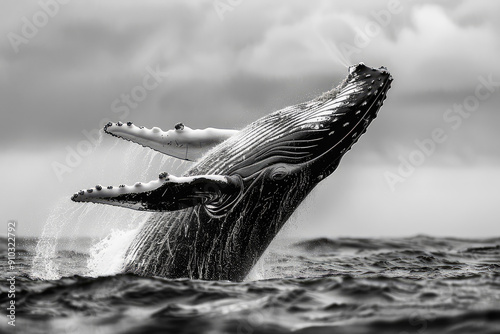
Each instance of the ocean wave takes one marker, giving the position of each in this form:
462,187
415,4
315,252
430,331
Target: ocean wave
347,285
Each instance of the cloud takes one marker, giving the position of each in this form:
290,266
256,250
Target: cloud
261,57
226,73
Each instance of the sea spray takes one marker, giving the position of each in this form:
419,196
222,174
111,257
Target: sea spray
149,159
44,264
107,257
112,228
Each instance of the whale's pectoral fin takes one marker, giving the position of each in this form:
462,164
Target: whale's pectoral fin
182,142
169,193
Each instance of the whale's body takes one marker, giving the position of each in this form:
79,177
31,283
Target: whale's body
195,243
255,180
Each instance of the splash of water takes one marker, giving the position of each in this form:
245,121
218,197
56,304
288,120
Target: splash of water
329,45
118,226
107,257
44,263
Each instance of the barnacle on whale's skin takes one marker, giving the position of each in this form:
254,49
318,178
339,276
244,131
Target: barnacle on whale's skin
216,220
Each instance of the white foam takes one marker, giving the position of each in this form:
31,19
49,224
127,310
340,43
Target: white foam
107,257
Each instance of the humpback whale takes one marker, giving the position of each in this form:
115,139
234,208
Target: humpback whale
216,220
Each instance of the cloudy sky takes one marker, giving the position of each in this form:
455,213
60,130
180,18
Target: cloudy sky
226,63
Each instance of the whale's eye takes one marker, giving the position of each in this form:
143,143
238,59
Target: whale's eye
280,175
280,171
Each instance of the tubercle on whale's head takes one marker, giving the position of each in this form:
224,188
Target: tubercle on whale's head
338,118
347,115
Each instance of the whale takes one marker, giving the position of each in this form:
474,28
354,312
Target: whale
215,220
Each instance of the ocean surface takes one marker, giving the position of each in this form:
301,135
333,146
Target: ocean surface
418,284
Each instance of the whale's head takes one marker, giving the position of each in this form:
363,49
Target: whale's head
344,114
312,136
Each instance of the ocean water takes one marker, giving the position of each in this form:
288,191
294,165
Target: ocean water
418,284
